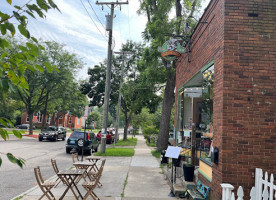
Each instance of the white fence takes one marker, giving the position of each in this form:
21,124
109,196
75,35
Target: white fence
264,189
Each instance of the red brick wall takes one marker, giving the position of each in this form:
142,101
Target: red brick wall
243,47
207,46
249,100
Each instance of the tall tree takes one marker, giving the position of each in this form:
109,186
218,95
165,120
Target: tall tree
158,25
13,66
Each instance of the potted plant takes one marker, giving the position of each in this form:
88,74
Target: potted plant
188,170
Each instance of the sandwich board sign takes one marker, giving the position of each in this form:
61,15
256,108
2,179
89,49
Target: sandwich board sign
173,152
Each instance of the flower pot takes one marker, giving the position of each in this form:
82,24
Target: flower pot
188,172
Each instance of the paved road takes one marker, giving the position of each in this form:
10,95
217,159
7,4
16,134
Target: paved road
13,179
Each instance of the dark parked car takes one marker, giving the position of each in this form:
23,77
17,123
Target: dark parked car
52,133
24,126
75,141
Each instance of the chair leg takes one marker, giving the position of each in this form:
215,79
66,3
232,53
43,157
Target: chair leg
57,182
89,192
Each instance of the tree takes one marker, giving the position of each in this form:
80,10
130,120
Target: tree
13,66
94,87
92,118
158,24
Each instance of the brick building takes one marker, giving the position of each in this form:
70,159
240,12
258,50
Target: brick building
226,85
65,120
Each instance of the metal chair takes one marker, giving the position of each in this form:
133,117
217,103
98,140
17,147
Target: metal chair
44,186
90,186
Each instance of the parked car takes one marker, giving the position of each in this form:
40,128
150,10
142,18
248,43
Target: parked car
75,141
24,126
62,129
52,133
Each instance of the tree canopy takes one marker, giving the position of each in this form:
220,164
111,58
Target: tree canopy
164,22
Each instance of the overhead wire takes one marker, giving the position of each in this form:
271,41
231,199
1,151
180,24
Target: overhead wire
128,23
93,20
120,31
95,14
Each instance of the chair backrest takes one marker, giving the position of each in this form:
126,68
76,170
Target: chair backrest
99,174
38,176
75,157
54,164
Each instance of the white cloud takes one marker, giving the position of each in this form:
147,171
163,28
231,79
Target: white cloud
74,28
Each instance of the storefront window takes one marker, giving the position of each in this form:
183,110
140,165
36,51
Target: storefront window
196,107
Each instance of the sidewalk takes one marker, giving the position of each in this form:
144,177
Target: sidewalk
141,174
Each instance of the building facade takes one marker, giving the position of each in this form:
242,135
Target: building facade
65,120
226,84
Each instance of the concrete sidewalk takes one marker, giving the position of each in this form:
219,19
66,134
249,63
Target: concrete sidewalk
124,178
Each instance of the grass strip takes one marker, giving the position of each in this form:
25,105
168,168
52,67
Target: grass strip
156,153
151,144
128,142
125,183
127,152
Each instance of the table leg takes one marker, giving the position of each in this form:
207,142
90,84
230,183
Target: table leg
69,182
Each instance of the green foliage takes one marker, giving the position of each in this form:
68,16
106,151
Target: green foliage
155,71
93,117
126,152
94,88
156,153
150,130
13,64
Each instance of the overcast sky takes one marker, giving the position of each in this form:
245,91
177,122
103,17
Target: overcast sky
75,27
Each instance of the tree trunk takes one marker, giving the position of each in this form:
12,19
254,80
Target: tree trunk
45,112
52,119
163,136
31,115
126,125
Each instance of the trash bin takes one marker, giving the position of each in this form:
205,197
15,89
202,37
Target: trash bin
164,160
176,161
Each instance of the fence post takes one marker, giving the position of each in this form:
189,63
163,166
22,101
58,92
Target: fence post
258,182
240,193
226,191
271,186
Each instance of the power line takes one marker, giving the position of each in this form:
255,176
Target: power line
96,14
93,20
128,22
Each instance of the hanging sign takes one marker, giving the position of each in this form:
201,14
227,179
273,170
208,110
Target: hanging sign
171,49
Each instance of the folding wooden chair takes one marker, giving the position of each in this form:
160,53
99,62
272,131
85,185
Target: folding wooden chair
75,157
44,186
93,175
90,186
58,180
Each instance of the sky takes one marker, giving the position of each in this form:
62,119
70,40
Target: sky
81,27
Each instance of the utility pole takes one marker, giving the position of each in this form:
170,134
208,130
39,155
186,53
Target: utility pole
109,27
123,53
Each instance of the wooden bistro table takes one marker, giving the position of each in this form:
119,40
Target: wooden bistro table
94,159
86,166
70,177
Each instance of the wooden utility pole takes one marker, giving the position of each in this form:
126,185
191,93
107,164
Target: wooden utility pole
109,27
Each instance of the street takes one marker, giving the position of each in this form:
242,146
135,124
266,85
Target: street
13,179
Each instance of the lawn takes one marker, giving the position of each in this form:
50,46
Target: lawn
127,152
156,153
128,142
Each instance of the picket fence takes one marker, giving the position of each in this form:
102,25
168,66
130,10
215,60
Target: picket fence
263,189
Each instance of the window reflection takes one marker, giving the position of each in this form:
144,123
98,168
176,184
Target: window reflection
196,107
